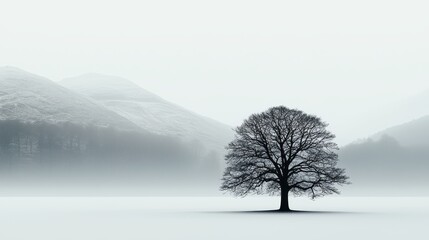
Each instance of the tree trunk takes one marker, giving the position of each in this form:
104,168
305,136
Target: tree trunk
284,201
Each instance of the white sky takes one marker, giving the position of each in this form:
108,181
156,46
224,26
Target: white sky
228,59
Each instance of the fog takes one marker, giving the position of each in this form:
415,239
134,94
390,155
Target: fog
69,159
385,167
228,59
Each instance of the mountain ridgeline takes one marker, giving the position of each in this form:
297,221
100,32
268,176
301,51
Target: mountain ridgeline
149,111
119,135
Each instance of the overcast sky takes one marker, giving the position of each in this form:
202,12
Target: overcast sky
228,59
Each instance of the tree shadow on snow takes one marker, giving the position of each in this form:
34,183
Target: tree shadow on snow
278,212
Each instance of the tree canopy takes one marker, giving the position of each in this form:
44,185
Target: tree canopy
283,151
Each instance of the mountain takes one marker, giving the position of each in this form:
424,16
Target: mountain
413,133
150,111
395,161
31,98
51,135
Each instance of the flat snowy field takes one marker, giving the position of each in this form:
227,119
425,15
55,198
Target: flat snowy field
123,218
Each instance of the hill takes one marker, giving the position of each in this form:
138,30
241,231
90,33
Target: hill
150,111
31,98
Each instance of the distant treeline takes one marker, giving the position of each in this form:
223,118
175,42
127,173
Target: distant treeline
40,145
385,167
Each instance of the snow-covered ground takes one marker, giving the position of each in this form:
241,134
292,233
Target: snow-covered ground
122,218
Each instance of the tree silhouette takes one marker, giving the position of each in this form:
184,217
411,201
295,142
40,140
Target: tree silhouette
283,150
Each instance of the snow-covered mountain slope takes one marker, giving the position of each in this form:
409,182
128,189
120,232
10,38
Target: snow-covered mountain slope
413,133
150,111
30,98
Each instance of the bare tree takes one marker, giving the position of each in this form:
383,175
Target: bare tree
283,150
